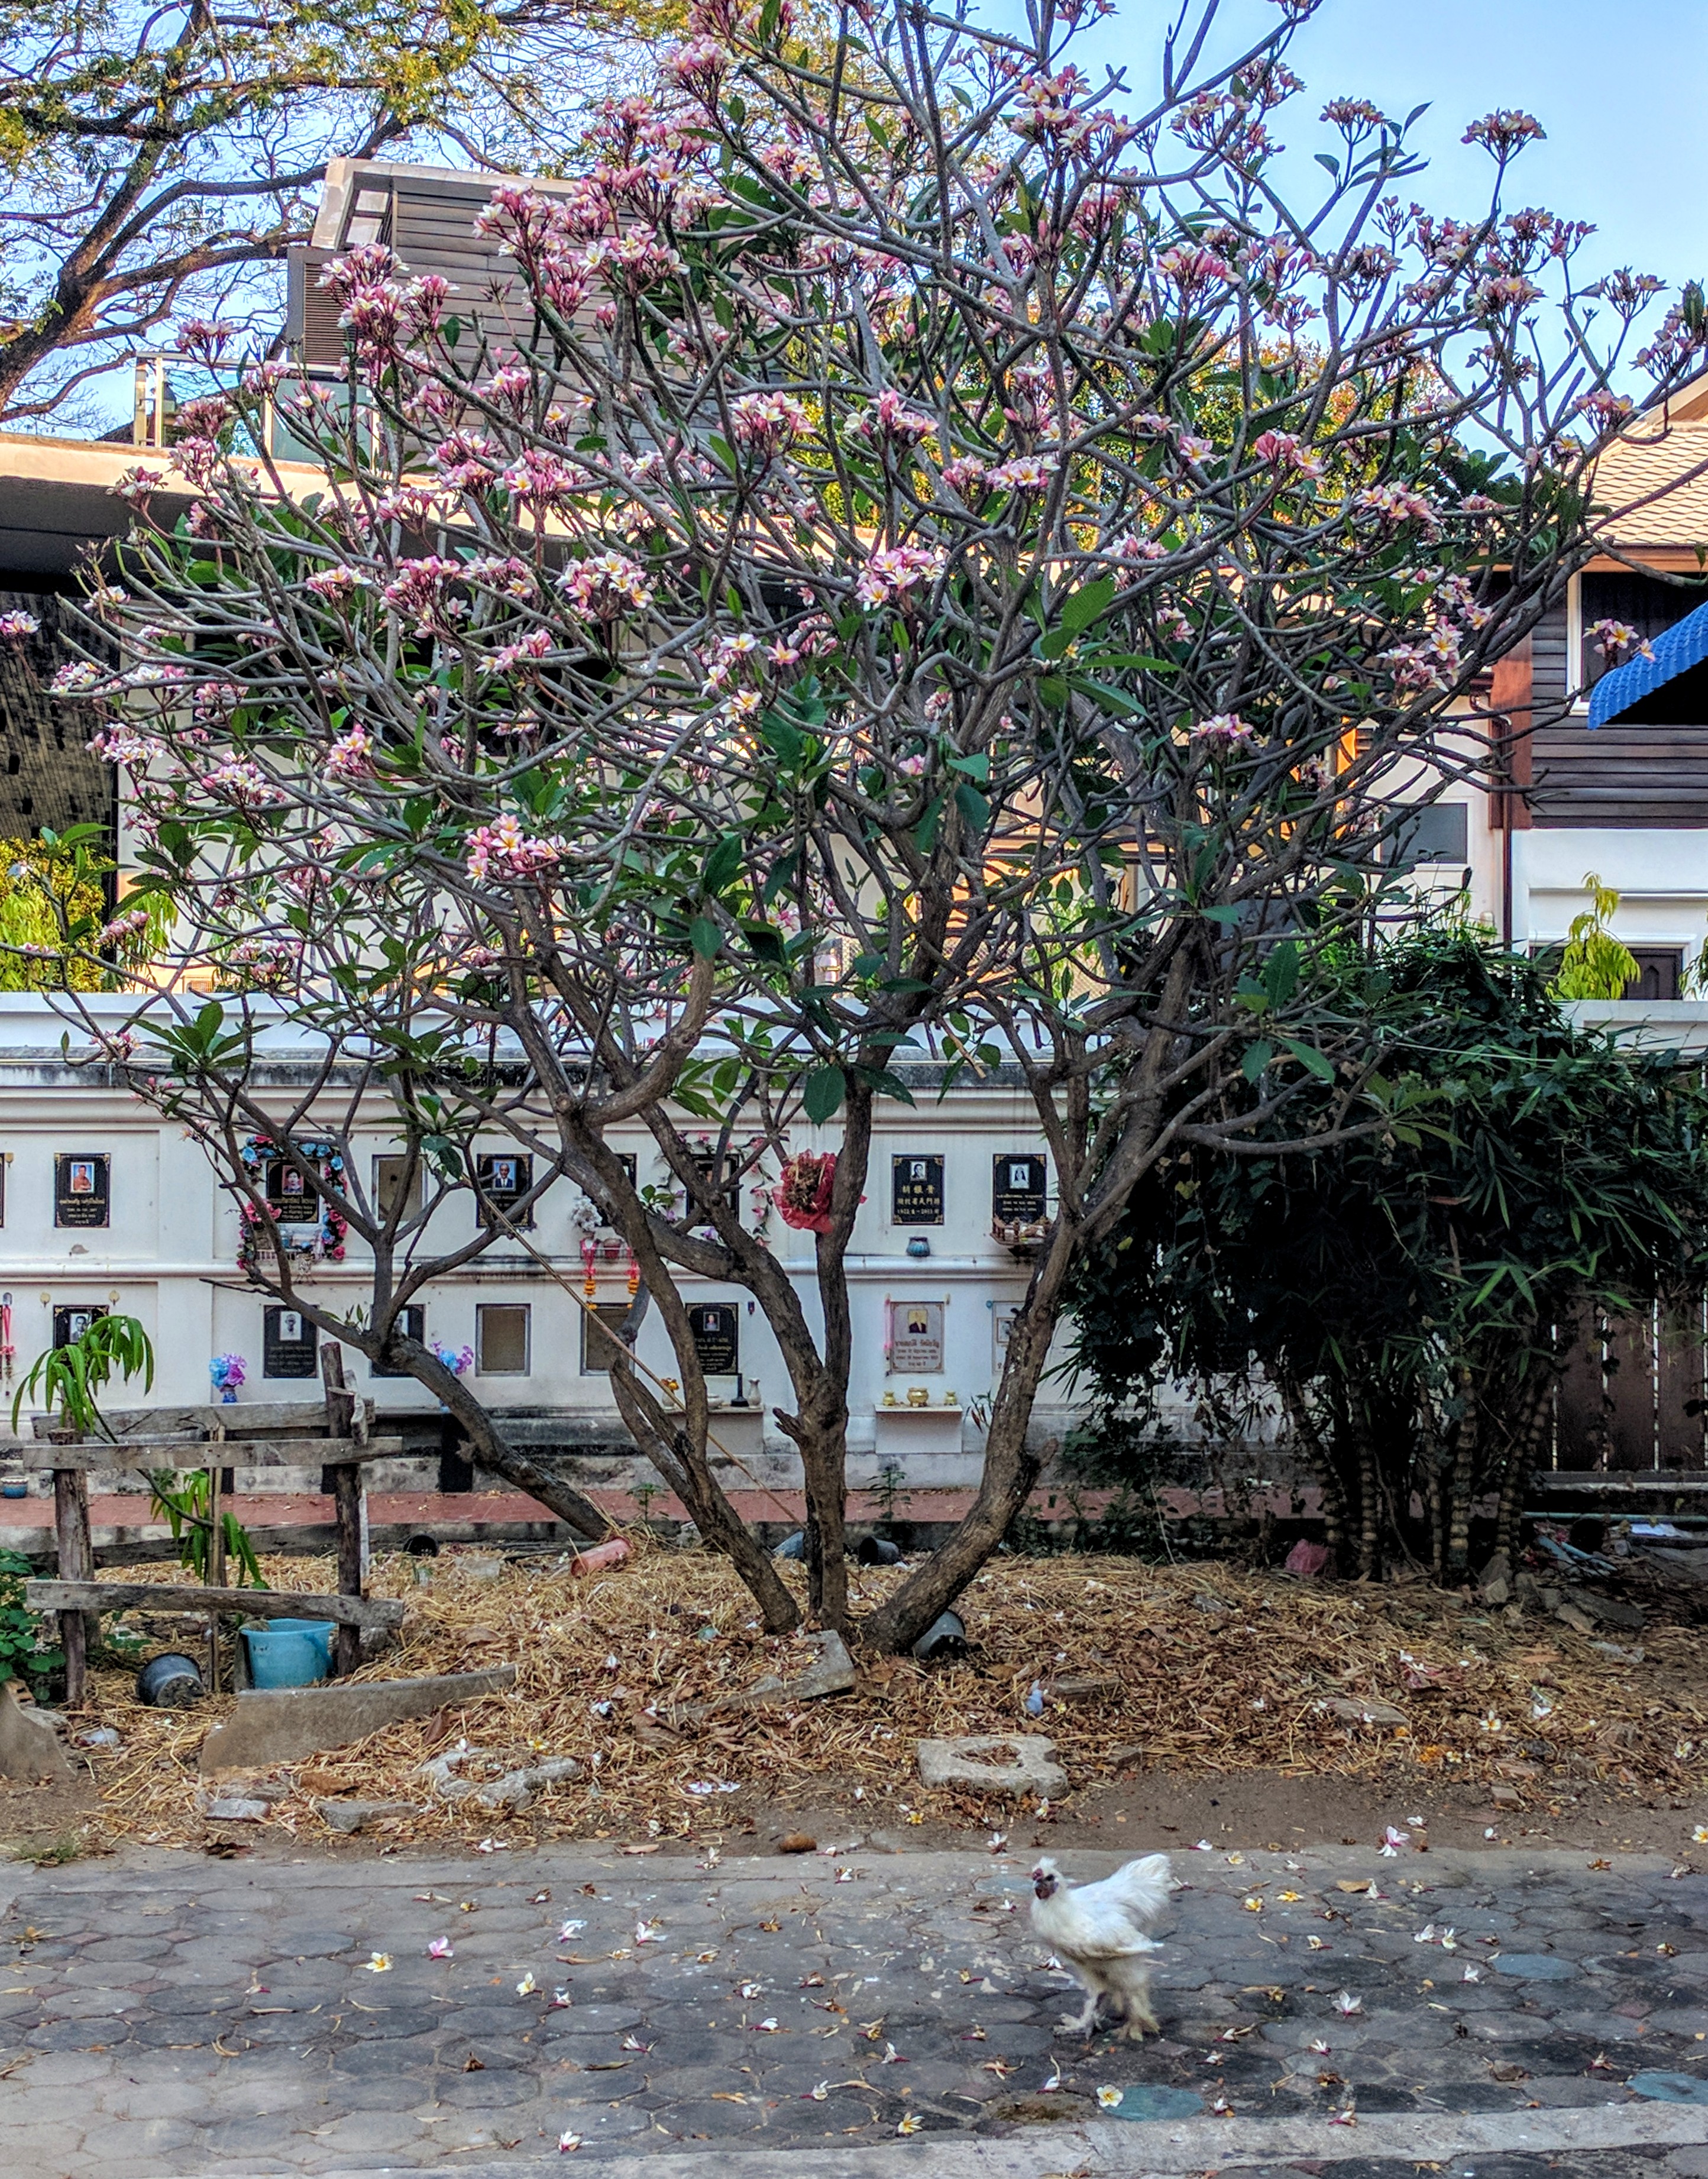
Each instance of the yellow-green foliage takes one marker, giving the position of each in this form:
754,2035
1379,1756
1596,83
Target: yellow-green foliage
44,891
1596,966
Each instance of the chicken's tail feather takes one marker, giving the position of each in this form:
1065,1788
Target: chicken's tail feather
1142,1886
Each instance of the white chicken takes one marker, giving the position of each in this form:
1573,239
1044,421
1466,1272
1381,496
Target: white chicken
1097,1933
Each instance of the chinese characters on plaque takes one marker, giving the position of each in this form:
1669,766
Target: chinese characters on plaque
82,1190
916,1338
916,1190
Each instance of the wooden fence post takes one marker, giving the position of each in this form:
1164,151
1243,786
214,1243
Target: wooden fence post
342,1413
76,1563
216,1557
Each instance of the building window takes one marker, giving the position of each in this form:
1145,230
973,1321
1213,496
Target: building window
602,1334
1660,969
1647,603
1438,833
501,1338
413,1326
390,1191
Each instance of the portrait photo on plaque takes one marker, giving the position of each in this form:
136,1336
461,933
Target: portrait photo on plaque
916,1189
290,1196
71,1320
503,1178
1017,1189
82,1188
916,1337
289,1344
715,1328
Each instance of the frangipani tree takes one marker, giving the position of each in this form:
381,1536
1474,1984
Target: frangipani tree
947,562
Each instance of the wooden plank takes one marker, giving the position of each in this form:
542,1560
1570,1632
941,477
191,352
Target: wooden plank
252,1603
1631,1391
346,1419
1581,1428
1679,1373
192,1452
1653,1482
76,1564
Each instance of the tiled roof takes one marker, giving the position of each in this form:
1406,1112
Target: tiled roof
1654,485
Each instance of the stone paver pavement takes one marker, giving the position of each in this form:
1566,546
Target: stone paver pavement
164,2017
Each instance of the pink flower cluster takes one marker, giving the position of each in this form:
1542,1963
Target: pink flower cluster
418,592
504,850
608,585
242,781
351,756
1225,731
1281,450
893,570
767,422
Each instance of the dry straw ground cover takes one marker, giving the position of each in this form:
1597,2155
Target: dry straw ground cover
1215,1669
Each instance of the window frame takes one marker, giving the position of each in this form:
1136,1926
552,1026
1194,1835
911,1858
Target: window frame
482,1311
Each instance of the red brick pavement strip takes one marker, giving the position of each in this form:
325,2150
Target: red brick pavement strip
281,1520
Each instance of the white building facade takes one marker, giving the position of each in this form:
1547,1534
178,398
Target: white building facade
107,1206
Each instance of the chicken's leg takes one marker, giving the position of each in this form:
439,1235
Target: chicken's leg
1085,2023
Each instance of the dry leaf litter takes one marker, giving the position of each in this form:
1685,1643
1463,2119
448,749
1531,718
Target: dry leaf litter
1215,1669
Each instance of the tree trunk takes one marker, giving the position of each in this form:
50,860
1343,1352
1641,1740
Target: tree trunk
1368,1495
1334,1506
492,1451
687,1471
1462,1481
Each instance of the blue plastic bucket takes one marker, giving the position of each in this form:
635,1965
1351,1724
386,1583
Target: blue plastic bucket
290,1653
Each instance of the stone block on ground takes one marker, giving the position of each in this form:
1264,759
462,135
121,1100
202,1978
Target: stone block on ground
830,1673
1084,1687
993,1763
30,1748
276,1727
1359,1710
515,1791
347,1816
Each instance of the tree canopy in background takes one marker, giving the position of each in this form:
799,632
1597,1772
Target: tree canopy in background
1407,1297
152,158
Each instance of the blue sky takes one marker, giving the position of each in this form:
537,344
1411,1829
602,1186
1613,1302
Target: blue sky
1619,84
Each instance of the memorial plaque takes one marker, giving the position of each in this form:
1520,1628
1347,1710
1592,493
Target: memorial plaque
503,1179
916,1337
82,1190
916,1190
72,1318
715,1326
292,1198
414,1327
1017,1190
289,1344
